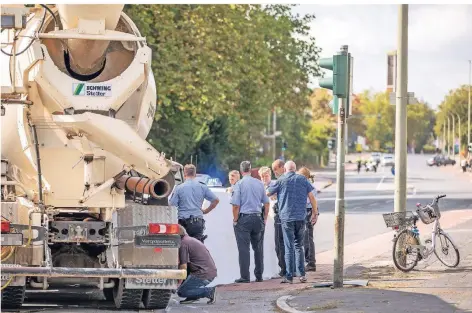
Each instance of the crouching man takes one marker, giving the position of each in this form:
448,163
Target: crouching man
201,270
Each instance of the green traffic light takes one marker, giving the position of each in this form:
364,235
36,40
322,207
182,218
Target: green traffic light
327,63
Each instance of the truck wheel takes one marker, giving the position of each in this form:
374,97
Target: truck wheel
156,298
13,297
126,298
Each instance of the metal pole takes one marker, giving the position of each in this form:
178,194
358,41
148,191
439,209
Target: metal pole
274,125
468,115
339,205
339,209
448,136
444,137
453,137
460,139
268,134
401,111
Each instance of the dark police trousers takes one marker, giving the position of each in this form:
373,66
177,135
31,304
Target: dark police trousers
309,242
249,230
279,243
194,227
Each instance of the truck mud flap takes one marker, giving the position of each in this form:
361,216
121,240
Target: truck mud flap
94,272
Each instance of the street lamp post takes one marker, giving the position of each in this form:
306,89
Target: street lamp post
401,111
448,136
460,139
468,115
453,137
444,137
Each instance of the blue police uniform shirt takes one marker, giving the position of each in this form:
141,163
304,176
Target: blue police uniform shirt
189,196
249,194
314,192
292,190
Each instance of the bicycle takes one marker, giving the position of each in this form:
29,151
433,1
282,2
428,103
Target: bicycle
407,243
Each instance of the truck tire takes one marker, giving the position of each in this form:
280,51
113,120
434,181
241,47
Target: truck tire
156,298
13,297
126,298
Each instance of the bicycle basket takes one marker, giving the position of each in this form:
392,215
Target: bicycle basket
398,219
427,214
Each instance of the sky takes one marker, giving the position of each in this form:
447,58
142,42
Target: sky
440,44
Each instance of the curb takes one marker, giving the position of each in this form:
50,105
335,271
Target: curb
283,305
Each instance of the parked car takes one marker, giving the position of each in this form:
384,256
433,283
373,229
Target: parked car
209,181
387,160
448,161
435,161
376,157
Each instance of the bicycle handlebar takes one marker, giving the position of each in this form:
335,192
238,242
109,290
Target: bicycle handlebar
440,197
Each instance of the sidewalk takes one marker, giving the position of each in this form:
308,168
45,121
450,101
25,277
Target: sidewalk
430,287
354,254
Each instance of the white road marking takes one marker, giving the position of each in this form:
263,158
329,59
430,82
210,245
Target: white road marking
380,183
373,204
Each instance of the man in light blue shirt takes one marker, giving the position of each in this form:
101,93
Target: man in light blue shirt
188,198
249,222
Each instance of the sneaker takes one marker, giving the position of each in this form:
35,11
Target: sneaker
259,279
188,301
212,296
282,273
286,281
242,281
310,268
303,279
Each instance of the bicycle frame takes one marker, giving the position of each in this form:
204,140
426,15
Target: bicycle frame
424,251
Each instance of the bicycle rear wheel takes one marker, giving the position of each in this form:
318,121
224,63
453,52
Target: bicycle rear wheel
405,258
446,251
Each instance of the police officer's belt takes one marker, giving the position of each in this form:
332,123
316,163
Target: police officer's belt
191,219
250,214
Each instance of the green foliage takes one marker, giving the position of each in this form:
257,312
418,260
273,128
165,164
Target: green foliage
379,119
219,69
456,102
429,149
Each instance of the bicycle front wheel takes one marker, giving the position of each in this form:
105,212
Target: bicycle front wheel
405,258
446,251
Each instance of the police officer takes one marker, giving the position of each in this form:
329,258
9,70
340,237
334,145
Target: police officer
249,221
188,198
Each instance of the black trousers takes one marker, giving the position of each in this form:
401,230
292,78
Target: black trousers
279,243
249,231
309,242
194,227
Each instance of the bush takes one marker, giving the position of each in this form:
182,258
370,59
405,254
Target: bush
429,149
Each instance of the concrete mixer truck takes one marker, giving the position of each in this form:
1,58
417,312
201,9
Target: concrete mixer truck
84,195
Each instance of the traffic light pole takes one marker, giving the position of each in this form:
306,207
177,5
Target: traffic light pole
339,209
401,111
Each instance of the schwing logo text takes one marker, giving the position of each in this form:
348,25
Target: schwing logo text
91,90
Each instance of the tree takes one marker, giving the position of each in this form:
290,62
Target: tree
456,101
219,69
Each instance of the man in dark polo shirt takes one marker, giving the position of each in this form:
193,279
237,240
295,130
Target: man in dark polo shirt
201,270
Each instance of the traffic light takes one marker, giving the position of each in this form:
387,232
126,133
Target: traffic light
284,146
331,144
340,82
